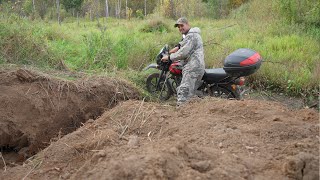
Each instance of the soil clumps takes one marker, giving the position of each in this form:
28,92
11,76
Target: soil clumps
207,139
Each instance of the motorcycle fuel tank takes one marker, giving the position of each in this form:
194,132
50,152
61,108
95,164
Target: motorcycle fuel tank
242,62
176,68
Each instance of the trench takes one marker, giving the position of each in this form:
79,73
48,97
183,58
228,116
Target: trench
37,109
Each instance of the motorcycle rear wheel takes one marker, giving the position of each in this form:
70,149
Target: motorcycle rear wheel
163,92
222,92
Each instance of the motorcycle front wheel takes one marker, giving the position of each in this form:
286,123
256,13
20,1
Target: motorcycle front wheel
163,91
222,92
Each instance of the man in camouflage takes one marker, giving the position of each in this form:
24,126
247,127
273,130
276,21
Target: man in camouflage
190,49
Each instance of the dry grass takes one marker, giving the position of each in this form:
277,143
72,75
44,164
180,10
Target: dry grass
134,122
4,162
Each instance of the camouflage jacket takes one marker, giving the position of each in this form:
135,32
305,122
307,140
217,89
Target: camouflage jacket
191,50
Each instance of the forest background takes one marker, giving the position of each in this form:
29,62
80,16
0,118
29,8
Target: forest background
121,37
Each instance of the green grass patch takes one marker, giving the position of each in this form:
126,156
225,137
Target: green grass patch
291,51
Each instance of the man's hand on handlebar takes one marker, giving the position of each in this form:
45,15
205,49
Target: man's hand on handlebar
166,58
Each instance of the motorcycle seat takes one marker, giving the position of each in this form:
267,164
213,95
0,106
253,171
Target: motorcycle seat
214,75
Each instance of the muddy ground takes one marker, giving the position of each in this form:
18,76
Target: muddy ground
206,139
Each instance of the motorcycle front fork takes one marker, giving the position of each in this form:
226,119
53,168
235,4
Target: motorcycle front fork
160,80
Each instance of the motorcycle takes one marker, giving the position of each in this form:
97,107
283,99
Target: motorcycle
226,82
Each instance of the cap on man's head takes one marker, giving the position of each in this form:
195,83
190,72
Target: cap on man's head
181,20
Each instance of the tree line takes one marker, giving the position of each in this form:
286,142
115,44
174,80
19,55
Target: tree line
305,11
60,9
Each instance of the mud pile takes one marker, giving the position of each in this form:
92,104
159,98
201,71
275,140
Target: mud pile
34,107
208,139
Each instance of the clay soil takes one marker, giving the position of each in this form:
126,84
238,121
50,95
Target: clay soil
205,139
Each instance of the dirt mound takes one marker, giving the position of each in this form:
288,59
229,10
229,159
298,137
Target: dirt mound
34,107
209,139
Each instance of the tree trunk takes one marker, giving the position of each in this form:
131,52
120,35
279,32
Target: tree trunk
96,7
116,10
33,6
99,25
159,7
172,14
78,18
119,8
183,10
145,7
126,9
107,9
58,11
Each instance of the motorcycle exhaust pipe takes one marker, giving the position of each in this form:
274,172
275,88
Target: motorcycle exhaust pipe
240,81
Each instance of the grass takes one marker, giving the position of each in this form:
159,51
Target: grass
291,51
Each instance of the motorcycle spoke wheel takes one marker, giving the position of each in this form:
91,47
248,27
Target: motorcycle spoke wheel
153,85
162,92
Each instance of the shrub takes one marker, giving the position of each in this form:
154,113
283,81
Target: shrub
139,14
155,25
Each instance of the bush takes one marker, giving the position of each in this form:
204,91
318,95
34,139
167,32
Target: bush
155,25
22,43
306,12
139,14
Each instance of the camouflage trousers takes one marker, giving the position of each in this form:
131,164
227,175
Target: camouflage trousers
191,81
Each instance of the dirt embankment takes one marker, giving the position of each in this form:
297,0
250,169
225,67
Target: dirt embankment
209,139
34,107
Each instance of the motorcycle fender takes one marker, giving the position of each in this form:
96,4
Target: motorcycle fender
153,65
